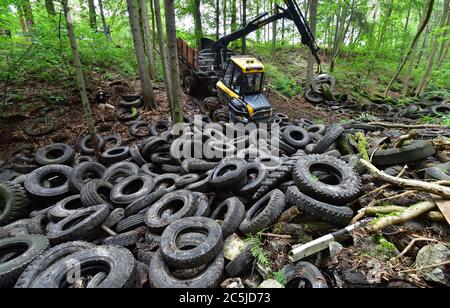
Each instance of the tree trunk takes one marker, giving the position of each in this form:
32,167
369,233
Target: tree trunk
432,59
258,32
154,34
274,32
163,52
147,87
197,22
217,20
50,7
336,38
28,12
244,21
92,15
313,25
22,20
429,10
148,38
424,45
80,79
405,32
174,68
224,17
444,46
105,26
233,16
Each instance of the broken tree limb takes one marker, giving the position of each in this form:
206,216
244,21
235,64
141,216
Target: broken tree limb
411,245
289,215
407,215
373,210
425,268
432,188
405,126
411,136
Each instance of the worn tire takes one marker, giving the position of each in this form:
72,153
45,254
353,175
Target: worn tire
296,137
14,202
33,184
240,264
439,172
30,126
132,189
84,173
229,173
231,212
65,208
55,154
415,151
120,170
340,215
264,213
115,155
144,202
26,248
130,223
306,272
96,192
87,147
256,174
330,137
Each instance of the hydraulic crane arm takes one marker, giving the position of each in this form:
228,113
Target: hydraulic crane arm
291,12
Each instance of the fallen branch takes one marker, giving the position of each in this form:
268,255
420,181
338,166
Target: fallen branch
373,210
401,141
435,216
405,126
425,268
289,215
109,231
408,214
432,188
285,237
411,245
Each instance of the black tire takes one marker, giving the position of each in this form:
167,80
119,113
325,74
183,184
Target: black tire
202,185
330,137
82,159
202,202
183,200
264,213
96,192
440,110
256,174
191,85
161,158
112,141
37,225
78,226
144,202
166,182
119,171
55,154
130,223
201,254
47,259
14,202
228,173
345,186
195,165
130,101
115,155
119,263
127,240
240,264
415,151
84,173
340,215
136,156
34,182
125,115
150,145
65,208
132,189
135,129
30,127
439,172
313,97
296,137
114,218
186,179
160,275
304,273
22,250
157,128
319,129
87,147
231,213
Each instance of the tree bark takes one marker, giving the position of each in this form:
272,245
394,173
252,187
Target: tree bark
405,32
313,25
174,68
80,79
163,52
217,19
432,59
105,26
92,15
197,22
50,7
22,20
147,87
244,21
224,16
274,32
148,38
429,10
444,46
233,16
336,37
28,13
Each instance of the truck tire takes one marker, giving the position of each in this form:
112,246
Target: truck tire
55,154
14,200
231,212
415,151
304,272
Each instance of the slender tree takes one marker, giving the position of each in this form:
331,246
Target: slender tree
197,21
244,21
429,10
147,87
174,68
313,25
28,13
80,78
50,7
217,20
233,15
92,15
224,16
105,26
147,38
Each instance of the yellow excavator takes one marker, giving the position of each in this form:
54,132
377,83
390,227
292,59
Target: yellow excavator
237,82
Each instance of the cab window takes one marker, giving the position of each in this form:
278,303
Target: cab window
228,75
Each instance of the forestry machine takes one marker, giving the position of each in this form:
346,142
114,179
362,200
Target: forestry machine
237,81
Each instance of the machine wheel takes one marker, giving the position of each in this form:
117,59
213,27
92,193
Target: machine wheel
191,85
212,103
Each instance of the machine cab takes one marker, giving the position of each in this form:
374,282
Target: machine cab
242,88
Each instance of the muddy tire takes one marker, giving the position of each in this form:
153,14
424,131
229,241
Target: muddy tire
240,264
34,182
296,137
340,215
229,173
132,189
313,97
144,202
304,273
115,155
14,200
415,151
87,147
264,213
96,192
130,223
327,141
30,127
256,174
84,173
347,188
231,212
25,249
65,208
55,154
191,85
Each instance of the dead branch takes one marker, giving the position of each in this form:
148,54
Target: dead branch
411,245
432,188
411,136
405,126
424,268
109,231
285,237
435,216
289,215
373,210
407,215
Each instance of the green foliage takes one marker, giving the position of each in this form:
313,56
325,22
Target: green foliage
279,277
281,82
257,249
